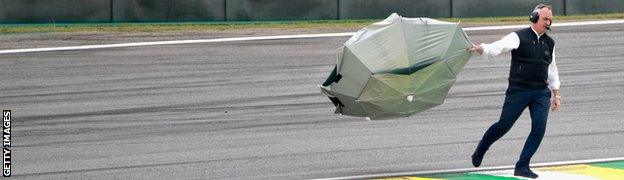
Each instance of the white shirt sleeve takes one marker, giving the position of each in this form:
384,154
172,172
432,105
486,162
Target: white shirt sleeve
553,73
506,44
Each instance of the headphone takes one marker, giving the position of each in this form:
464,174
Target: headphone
534,17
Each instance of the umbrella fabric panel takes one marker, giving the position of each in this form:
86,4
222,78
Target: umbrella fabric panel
381,47
424,21
364,33
350,108
385,95
456,55
433,84
394,95
427,44
354,75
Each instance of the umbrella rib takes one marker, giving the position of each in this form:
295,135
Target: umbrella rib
371,77
407,56
450,41
449,68
360,95
446,52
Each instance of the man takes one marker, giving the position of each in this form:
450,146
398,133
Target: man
532,76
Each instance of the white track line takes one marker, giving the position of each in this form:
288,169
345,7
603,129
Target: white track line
584,23
155,43
415,173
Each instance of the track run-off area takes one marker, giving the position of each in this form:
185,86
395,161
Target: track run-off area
250,108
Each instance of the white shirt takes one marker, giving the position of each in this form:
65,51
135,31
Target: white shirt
511,42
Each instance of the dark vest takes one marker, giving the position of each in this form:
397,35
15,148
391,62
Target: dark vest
530,61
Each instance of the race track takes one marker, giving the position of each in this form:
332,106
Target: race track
252,110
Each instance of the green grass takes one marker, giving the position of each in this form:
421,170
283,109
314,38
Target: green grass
228,26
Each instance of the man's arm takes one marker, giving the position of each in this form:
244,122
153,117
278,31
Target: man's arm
506,44
554,83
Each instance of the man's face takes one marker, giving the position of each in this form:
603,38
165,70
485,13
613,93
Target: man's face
545,19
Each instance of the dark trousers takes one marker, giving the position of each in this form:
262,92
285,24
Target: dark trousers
516,100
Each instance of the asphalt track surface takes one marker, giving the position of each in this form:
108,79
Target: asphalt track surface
252,110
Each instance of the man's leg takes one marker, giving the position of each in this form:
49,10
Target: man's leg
516,101
539,114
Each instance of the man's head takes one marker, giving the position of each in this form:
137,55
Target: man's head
541,18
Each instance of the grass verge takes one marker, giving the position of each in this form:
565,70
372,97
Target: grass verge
228,26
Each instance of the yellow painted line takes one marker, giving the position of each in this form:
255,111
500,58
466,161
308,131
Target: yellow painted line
410,178
607,168
594,171
542,174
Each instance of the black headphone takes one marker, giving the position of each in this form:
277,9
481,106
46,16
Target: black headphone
534,16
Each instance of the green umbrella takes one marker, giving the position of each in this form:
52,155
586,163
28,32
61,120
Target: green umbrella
397,67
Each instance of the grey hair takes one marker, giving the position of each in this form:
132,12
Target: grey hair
541,6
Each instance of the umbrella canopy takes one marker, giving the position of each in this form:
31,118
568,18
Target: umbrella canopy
397,67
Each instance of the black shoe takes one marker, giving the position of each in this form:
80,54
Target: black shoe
477,157
525,172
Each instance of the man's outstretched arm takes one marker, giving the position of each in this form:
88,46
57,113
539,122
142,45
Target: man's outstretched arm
506,44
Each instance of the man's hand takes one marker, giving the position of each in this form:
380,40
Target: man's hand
556,102
476,49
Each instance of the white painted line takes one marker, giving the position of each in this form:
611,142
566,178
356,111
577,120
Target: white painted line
496,168
587,23
156,43
483,28
584,23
